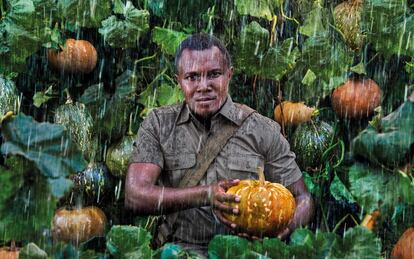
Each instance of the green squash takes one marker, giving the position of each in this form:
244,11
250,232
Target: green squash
78,121
95,181
9,96
309,142
117,157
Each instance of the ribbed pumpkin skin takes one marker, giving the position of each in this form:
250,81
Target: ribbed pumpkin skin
347,19
265,208
404,249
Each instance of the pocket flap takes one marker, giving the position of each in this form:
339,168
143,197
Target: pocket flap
247,163
181,161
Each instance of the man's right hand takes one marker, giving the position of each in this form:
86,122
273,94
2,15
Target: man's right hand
219,200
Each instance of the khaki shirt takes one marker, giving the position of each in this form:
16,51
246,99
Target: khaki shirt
171,136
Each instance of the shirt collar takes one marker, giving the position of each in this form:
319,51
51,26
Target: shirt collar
228,110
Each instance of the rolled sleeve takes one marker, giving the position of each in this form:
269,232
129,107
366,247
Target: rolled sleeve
147,148
280,163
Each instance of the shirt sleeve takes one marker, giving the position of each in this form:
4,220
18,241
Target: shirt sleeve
147,148
280,165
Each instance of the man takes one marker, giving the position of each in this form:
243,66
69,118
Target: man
170,138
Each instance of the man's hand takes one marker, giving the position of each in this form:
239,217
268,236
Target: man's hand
218,199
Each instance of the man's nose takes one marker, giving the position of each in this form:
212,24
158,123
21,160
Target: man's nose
203,84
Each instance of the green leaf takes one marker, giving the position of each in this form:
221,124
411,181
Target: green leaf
271,247
167,95
373,188
328,59
258,8
339,191
254,57
359,69
358,242
45,144
316,21
29,213
227,247
40,98
125,33
11,179
85,13
388,25
167,39
391,143
128,242
309,78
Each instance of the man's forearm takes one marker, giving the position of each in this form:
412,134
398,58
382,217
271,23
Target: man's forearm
157,200
304,211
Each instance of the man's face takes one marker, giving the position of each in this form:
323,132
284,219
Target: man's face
204,78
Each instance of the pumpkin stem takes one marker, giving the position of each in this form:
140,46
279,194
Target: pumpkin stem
260,172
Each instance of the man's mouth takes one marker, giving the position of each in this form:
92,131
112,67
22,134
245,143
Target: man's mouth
205,99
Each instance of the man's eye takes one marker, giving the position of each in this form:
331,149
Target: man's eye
214,74
193,77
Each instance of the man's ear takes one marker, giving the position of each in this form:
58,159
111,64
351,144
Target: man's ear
230,70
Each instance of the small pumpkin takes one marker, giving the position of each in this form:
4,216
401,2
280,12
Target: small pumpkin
95,181
347,19
404,249
11,252
291,113
77,56
265,208
309,141
356,98
9,96
78,225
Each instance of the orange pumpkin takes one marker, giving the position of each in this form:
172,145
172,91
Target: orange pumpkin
11,252
265,208
290,113
78,225
356,99
77,56
404,249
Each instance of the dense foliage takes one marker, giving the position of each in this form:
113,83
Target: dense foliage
65,122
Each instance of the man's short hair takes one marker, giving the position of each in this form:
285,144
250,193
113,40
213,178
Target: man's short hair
201,41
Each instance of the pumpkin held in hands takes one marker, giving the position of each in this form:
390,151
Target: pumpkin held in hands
265,208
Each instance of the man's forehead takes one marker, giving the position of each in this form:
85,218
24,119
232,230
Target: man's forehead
191,58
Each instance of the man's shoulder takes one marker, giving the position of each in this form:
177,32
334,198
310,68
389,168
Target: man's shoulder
257,118
168,109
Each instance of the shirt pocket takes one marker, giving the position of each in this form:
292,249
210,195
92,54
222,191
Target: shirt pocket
244,166
177,165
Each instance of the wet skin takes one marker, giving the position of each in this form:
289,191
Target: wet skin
204,78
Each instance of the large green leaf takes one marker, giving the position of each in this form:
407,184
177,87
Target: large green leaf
125,33
167,39
254,57
390,142
11,179
227,247
305,244
22,31
46,145
373,188
388,25
85,13
128,242
258,8
29,213
358,242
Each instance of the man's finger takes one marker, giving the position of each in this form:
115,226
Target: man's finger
224,220
225,208
229,183
224,197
